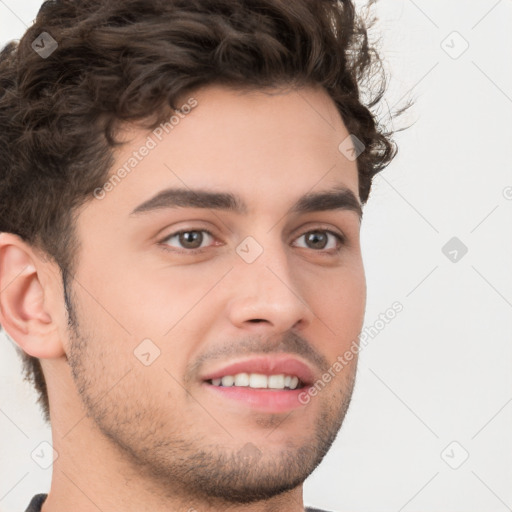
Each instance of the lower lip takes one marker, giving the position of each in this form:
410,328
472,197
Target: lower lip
264,400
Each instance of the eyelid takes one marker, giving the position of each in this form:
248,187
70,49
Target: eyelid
319,226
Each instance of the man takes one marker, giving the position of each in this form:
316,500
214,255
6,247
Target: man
180,205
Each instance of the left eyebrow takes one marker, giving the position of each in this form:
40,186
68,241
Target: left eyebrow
337,198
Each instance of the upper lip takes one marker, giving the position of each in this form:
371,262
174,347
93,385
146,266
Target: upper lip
266,365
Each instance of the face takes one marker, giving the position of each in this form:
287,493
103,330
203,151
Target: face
201,321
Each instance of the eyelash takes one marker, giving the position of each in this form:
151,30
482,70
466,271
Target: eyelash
341,239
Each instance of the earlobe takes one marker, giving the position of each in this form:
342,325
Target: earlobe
23,309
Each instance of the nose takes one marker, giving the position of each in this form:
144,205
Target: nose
267,295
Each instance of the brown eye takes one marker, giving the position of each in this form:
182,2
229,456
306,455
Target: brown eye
189,240
319,240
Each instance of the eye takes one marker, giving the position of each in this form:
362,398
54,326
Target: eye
189,239
319,240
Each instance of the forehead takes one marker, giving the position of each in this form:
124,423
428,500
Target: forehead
262,145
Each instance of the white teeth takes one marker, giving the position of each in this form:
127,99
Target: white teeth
228,380
242,379
258,381
276,381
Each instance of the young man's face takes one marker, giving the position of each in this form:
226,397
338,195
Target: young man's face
271,291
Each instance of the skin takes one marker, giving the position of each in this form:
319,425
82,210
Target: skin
151,438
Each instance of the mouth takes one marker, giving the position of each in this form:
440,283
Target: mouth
258,381
267,384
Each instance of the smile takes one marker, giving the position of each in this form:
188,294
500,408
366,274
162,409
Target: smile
259,381
270,384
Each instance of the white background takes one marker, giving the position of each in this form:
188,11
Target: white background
441,370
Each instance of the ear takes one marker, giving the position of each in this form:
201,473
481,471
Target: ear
27,296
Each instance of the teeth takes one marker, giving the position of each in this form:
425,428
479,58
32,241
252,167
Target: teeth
242,379
258,381
276,381
228,380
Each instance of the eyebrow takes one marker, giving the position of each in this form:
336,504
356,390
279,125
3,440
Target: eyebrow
338,198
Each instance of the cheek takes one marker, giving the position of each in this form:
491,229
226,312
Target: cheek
146,298
341,303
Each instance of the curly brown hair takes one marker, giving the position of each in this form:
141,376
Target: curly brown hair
117,61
